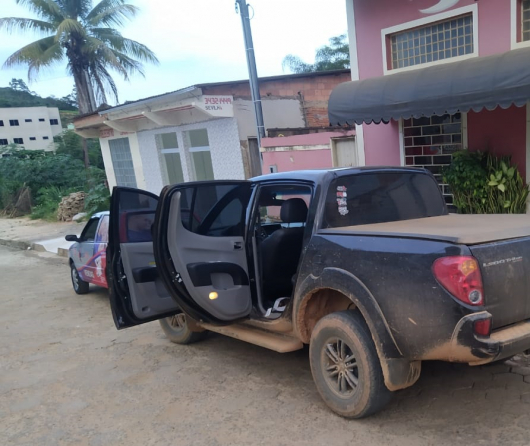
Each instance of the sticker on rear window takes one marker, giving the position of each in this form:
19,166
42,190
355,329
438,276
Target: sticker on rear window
342,194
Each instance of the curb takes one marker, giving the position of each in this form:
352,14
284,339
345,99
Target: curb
23,245
19,244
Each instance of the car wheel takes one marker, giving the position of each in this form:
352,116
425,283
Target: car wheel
345,366
177,330
80,286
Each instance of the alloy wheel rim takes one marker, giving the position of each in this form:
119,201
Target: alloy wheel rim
177,321
339,366
75,279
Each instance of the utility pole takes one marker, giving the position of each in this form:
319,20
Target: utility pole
252,71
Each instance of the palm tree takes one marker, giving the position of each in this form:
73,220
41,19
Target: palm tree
83,36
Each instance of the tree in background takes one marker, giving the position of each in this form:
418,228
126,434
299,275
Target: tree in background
20,85
335,56
70,143
84,36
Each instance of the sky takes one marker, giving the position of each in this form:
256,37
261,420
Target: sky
197,41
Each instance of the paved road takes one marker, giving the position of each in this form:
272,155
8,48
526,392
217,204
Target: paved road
67,377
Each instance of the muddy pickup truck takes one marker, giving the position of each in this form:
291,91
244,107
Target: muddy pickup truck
364,265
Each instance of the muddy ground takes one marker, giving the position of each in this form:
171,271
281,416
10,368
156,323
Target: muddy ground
67,377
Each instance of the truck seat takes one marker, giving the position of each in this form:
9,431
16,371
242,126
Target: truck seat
280,252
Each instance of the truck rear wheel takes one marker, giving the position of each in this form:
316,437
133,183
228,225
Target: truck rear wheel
345,366
177,330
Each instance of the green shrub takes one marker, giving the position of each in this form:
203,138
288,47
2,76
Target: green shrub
482,183
47,202
97,199
45,173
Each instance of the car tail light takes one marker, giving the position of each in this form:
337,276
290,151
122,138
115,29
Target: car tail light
482,327
460,275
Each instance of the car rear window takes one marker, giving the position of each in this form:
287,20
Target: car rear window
368,198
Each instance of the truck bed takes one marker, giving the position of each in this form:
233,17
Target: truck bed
452,228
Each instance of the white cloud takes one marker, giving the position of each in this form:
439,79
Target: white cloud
202,41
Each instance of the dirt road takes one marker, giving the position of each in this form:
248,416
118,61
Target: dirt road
67,377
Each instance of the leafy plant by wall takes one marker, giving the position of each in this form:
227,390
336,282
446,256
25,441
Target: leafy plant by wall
47,175
483,183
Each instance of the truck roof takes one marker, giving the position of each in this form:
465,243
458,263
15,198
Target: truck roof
318,175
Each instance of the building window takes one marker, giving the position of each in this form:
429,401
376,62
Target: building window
1,123
122,163
13,122
438,41
45,137
54,121
42,120
430,142
168,148
201,158
525,16
18,140
32,138
28,120
3,142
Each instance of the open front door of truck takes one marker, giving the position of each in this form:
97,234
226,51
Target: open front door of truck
200,248
137,293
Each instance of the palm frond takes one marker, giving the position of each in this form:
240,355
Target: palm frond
104,82
103,6
116,41
46,9
40,54
116,15
12,24
75,9
68,27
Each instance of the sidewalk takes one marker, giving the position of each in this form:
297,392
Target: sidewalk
39,235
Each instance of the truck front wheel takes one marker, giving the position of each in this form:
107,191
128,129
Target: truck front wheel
345,366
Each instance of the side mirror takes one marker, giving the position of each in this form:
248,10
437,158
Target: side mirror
71,238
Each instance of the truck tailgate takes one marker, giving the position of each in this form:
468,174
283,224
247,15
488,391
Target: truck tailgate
505,267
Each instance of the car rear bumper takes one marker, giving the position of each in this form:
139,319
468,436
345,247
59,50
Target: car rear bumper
467,346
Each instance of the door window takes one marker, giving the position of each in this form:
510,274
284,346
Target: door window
215,210
89,232
137,214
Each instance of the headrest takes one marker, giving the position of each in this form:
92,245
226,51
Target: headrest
294,210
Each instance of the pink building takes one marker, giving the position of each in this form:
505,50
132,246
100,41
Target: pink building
437,76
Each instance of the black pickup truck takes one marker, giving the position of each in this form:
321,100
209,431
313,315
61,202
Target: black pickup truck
365,265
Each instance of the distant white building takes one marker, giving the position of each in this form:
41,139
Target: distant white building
32,128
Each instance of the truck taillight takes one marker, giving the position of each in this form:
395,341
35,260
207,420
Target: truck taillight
460,275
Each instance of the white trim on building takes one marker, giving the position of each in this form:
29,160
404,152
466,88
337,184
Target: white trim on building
355,75
515,15
426,21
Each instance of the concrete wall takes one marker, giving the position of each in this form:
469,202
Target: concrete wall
297,160
34,129
277,113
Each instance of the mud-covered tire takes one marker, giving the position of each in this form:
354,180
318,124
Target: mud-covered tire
341,343
79,285
177,331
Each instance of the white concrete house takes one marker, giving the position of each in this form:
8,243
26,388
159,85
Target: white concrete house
32,128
